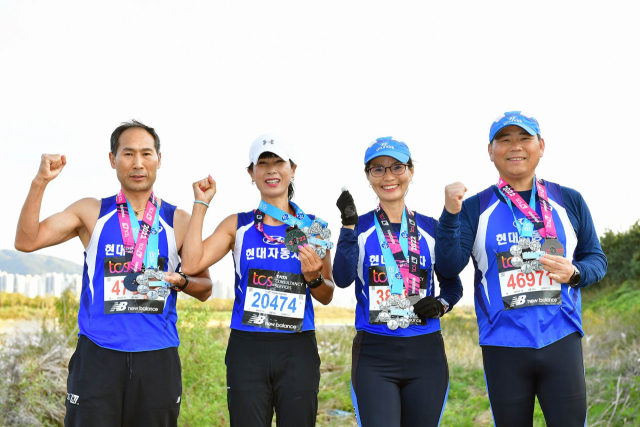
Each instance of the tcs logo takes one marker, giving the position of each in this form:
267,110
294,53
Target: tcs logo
260,279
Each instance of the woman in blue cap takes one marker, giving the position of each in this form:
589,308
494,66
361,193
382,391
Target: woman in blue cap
281,258
399,374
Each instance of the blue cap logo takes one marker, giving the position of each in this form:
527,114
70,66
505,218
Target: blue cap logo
387,146
514,118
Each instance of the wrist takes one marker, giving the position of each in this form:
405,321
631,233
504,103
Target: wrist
314,283
39,181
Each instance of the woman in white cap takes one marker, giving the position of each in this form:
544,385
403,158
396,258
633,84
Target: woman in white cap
281,258
399,373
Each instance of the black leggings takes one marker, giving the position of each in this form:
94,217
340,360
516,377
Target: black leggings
271,369
554,373
399,381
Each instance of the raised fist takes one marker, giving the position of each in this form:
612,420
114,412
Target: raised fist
453,195
50,166
205,189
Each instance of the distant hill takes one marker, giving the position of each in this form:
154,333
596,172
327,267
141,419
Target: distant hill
22,263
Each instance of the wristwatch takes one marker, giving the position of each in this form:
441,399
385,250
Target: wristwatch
186,281
315,283
574,280
444,304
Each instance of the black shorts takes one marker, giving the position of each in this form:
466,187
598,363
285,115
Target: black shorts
555,373
399,381
113,388
267,370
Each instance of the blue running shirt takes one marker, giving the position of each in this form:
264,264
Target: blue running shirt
271,293
110,315
360,258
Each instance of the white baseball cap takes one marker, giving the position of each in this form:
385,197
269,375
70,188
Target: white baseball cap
271,143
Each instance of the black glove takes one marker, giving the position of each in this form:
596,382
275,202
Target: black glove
428,307
347,208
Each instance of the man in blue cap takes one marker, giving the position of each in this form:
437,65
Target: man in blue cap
533,245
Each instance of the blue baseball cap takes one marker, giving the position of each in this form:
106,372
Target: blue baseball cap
387,146
514,118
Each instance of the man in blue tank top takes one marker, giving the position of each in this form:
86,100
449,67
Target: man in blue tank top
126,369
533,245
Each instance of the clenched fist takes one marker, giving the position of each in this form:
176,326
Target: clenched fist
453,195
205,189
50,166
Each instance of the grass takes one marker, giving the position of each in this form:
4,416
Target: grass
33,387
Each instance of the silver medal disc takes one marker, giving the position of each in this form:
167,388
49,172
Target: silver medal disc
163,292
149,272
526,268
322,252
142,279
515,250
384,306
404,323
534,245
384,317
404,303
315,228
159,275
325,233
524,242
143,289
392,324
152,294
306,231
394,300
537,265
516,261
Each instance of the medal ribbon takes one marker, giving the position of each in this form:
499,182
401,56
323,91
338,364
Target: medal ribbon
402,252
547,229
137,247
300,219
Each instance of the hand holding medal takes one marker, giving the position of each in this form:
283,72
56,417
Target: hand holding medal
560,268
310,263
150,282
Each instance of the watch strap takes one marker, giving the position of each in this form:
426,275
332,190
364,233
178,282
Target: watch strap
315,283
186,281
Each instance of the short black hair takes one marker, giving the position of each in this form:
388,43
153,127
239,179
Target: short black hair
115,136
269,155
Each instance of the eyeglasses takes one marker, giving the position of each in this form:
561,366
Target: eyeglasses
397,169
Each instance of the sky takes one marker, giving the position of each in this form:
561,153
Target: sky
329,77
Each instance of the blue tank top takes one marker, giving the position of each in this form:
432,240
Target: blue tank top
271,293
110,315
372,285
510,308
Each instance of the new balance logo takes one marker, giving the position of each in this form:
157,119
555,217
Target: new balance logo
519,300
258,319
265,142
119,306
73,398
178,401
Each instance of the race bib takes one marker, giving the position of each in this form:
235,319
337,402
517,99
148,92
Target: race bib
275,300
117,299
525,290
379,291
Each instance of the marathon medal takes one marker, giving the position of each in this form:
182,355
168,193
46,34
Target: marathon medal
294,238
522,279
401,258
127,284
301,228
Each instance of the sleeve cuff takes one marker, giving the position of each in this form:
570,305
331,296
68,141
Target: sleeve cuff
449,220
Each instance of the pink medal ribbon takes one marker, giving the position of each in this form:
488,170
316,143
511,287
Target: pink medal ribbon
136,249
547,228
